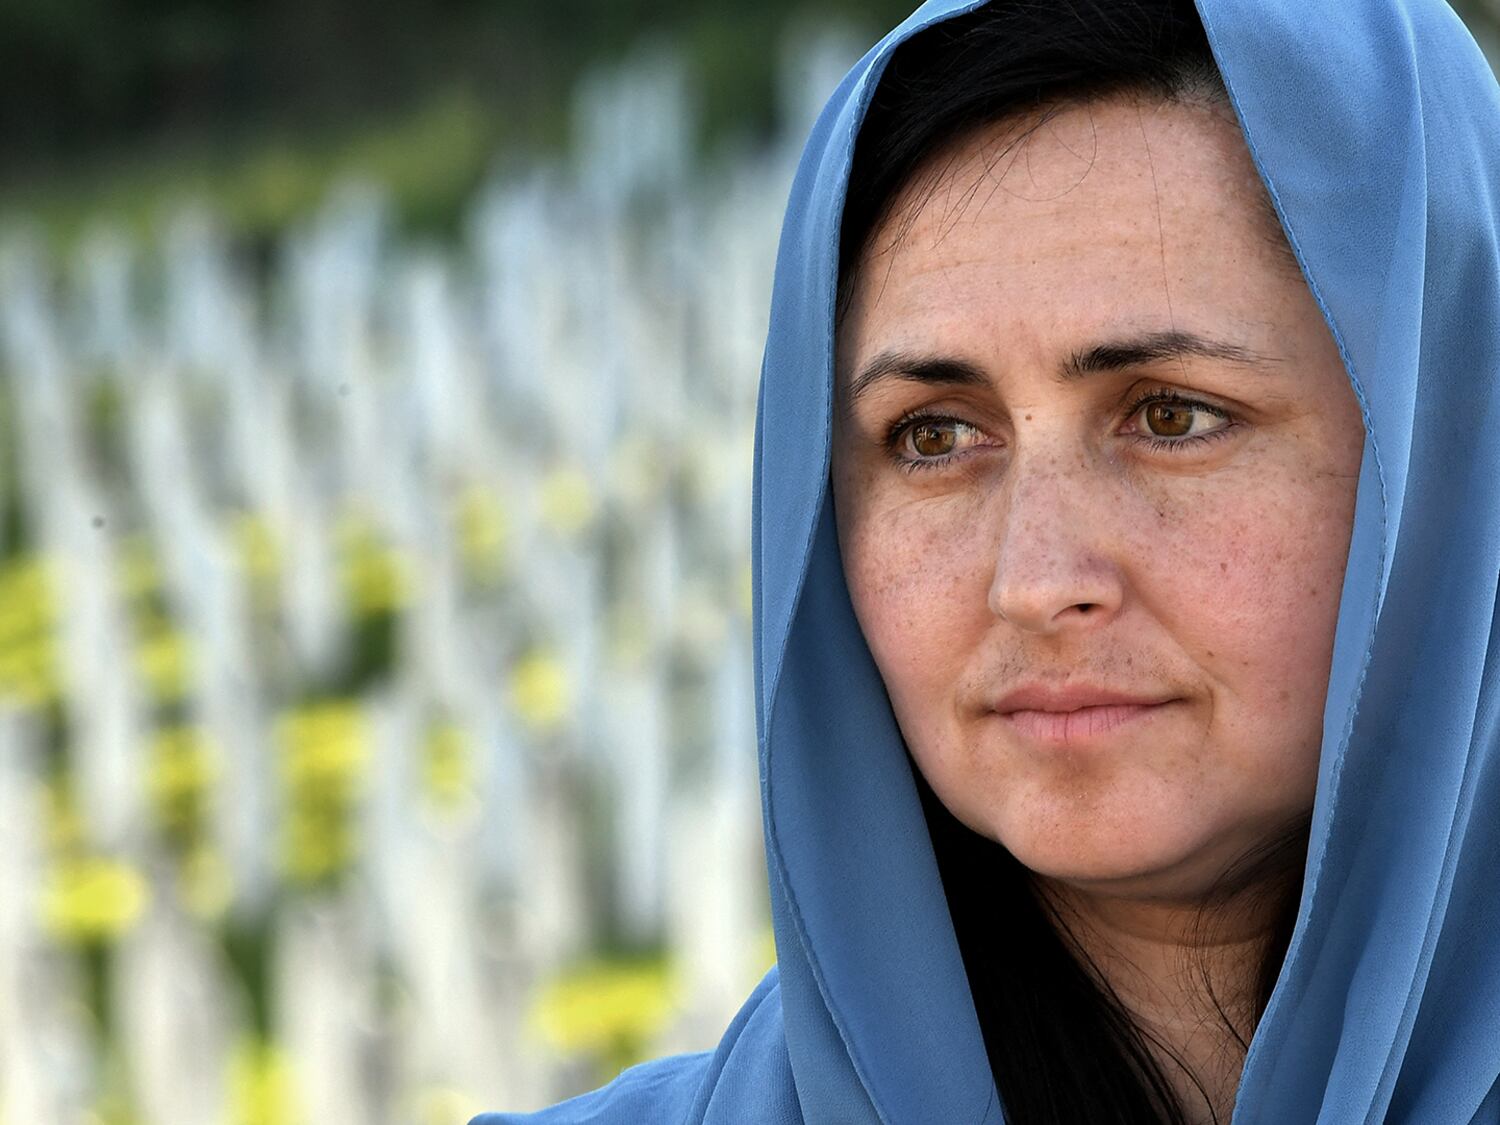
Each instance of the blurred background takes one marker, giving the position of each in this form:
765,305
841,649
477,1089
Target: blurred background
377,391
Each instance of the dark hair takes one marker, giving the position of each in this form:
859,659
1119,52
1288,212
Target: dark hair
1063,1048
1007,58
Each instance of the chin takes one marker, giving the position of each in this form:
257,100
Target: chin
1160,853
1200,861
1121,875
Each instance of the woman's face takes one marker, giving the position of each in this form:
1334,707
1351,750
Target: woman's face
1091,431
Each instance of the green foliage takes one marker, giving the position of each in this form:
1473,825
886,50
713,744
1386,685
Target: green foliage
123,109
430,159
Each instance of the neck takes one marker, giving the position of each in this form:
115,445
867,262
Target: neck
1187,978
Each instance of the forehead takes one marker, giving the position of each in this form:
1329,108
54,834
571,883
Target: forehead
1102,214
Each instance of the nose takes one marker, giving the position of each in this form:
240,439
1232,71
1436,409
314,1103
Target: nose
1054,567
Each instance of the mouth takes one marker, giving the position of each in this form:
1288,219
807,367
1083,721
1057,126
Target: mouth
1083,725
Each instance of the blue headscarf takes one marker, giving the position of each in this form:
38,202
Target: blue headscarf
1375,125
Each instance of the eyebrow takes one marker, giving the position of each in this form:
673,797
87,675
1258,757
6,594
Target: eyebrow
1109,355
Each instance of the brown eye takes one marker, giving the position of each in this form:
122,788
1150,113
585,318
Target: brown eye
1169,419
933,439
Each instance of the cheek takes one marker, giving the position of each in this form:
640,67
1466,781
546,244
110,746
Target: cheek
918,581
1252,597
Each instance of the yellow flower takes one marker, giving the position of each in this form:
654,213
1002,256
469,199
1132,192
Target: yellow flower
448,765
28,619
539,691
483,531
613,1009
315,845
377,581
324,749
567,502
261,1087
324,745
20,618
28,671
182,766
92,898
377,578
27,596
164,660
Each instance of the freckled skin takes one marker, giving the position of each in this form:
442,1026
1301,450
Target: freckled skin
1056,545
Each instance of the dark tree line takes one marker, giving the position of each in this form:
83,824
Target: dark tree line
83,78
79,76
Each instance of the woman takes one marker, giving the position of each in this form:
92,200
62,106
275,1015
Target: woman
1127,544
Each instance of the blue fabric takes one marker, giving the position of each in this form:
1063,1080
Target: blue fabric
1375,125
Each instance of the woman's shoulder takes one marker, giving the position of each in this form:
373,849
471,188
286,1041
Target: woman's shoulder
748,1077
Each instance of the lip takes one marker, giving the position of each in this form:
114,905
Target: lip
1077,713
1040,697
1083,724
